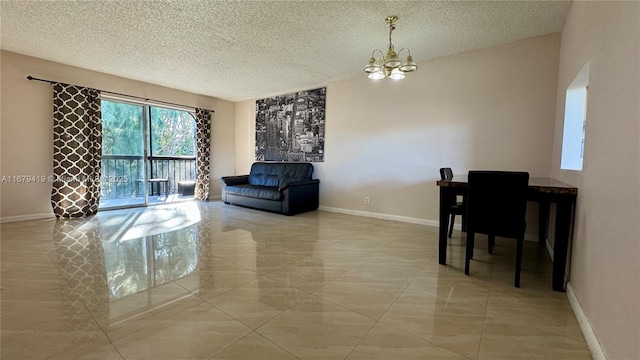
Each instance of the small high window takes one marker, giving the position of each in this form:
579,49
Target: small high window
575,116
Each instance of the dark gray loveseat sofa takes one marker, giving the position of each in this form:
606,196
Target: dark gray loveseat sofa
286,188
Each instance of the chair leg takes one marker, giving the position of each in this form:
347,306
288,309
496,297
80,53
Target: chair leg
469,252
492,242
518,261
453,220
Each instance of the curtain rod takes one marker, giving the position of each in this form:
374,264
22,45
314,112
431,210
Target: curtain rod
120,94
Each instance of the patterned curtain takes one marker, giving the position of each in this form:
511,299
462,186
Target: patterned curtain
77,150
203,153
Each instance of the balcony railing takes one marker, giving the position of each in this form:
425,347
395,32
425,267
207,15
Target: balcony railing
123,175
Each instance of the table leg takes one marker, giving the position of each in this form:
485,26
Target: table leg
561,245
543,221
447,198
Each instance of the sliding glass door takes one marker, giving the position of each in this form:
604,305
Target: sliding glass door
148,154
172,151
123,178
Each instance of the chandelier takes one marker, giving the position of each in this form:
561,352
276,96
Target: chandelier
390,65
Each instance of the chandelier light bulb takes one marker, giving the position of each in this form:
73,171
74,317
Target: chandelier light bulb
396,74
378,75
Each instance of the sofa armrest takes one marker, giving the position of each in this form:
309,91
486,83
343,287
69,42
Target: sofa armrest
298,183
301,196
235,180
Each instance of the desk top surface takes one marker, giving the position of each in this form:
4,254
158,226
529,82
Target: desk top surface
542,185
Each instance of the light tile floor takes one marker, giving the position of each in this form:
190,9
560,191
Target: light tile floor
214,281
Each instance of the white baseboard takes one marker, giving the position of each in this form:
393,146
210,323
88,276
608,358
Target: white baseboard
527,237
380,216
8,219
590,336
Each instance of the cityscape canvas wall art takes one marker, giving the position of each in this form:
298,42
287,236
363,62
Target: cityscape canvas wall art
291,127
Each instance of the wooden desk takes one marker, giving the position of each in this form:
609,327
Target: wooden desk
545,191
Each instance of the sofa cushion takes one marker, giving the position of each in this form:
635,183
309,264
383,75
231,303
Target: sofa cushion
259,192
279,174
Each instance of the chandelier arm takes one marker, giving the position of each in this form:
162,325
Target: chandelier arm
381,54
399,51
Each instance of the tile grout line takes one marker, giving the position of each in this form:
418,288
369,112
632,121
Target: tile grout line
387,309
486,307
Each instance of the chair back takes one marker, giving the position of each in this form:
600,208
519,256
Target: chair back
497,203
446,174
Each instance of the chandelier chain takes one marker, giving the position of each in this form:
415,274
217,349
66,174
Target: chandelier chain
391,28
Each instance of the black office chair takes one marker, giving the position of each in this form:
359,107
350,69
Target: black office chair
458,208
496,206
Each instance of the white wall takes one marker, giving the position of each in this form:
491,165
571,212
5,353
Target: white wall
26,128
487,109
245,136
605,272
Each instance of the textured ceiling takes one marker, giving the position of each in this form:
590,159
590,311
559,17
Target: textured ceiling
239,50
